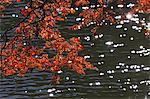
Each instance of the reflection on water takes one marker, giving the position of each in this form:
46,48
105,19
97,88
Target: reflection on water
121,52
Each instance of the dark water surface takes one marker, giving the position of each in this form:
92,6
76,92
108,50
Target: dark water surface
121,55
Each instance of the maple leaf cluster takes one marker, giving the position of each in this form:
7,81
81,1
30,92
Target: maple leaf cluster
19,55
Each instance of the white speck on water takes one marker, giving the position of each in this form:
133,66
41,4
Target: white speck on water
124,89
127,83
90,84
112,7
17,15
87,56
142,65
36,56
141,47
26,7
69,89
76,8
137,22
99,63
101,55
125,29
118,17
51,95
97,83
126,70
127,66
98,5
129,57
67,78
121,64
137,70
74,89
134,27
96,36
51,90
128,79
84,8
117,67
122,71
92,6
111,23
60,72
119,80
111,50
109,72
131,38
133,51
92,44
109,43
101,74
102,62
149,93
91,23
118,26
13,15
121,22
134,86
101,35
78,19
124,35
130,87
118,45
79,27
139,31
146,68
69,61
109,87
120,35
129,16
24,43
141,55
120,6
111,76
57,91
130,5
103,20
126,21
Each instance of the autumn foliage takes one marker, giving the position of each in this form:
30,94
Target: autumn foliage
19,54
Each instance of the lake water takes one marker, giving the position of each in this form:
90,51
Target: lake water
120,52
